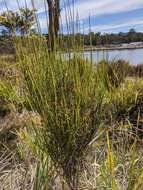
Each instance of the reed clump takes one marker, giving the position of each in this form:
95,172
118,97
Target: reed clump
69,99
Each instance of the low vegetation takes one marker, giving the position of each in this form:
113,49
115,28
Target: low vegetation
80,123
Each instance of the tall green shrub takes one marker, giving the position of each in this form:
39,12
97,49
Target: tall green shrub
69,99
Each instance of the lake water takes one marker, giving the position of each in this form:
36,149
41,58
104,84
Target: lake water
134,56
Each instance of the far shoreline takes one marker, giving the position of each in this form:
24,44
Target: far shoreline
109,48
130,46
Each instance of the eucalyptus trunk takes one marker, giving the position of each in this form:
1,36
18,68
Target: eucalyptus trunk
54,23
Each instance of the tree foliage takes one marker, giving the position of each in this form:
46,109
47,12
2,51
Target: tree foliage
27,20
20,22
10,21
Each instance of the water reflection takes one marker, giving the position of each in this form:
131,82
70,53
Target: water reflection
134,56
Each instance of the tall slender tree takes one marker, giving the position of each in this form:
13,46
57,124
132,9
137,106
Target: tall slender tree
54,23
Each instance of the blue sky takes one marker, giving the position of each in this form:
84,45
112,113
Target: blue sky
105,15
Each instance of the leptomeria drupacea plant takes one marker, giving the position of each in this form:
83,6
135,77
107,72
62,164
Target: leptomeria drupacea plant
68,95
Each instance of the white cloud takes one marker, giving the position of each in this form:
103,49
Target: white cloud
98,7
127,23
84,8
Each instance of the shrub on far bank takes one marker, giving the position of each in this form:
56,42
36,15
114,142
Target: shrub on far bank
136,71
113,74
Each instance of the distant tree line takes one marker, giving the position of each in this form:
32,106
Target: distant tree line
103,39
98,39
